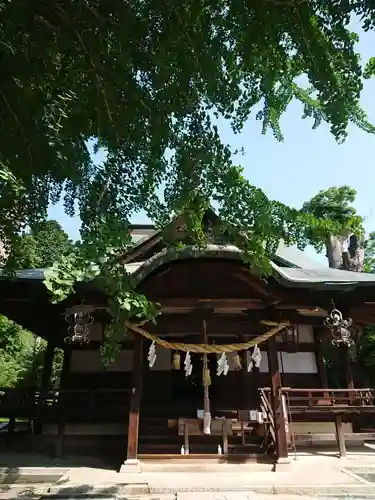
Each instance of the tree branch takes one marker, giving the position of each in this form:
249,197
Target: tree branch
287,3
44,21
66,19
19,125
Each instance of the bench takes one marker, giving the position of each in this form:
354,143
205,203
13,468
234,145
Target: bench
194,427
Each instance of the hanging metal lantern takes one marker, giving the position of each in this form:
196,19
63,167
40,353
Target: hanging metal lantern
339,327
79,321
290,337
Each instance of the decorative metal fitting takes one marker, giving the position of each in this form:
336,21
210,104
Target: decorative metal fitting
339,327
78,330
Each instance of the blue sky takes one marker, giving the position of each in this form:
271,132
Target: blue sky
307,161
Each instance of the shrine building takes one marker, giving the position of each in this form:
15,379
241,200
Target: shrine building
232,369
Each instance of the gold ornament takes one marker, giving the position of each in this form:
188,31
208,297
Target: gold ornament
176,363
206,377
236,362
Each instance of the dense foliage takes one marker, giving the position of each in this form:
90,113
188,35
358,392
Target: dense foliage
40,247
22,357
336,203
21,352
16,353
370,254
148,80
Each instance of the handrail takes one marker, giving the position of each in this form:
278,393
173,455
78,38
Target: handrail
323,397
321,389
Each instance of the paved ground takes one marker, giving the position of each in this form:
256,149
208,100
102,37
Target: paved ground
195,496
309,474
319,474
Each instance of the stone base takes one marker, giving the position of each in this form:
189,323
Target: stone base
282,465
131,466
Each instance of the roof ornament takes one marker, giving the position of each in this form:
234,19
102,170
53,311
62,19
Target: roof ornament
339,327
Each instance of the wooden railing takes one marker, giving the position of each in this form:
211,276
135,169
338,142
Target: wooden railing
29,403
266,408
326,398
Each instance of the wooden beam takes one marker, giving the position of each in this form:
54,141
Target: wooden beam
176,304
302,302
276,397
226,324
135,400
259,288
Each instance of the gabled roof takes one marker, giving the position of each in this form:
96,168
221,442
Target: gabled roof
323,278
285,256
292,267
293,257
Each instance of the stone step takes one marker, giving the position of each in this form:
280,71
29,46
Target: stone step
94,491
31,475
106,496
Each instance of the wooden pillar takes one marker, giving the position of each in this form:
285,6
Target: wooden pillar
256,386
322,372
61,404
345,357
10,434
135,401
276,401
249,392
344,354
244,393
47,367
340,437
45,384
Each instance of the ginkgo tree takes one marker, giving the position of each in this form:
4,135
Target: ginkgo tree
345,249
147,81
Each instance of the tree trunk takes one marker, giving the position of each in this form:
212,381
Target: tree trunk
334,246
354,256
346,253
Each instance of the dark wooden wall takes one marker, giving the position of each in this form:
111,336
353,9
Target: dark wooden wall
168,391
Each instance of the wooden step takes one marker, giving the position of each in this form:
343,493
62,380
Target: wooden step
206,457
243,449
196,448
175,436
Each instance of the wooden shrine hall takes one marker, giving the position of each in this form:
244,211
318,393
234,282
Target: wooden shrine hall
232,370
